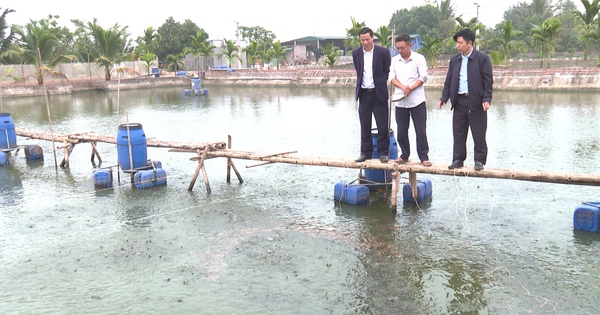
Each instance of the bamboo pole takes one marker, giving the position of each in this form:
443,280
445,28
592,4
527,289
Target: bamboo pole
228,178
49,116
130,151
395,186
198,169
412,181
95,152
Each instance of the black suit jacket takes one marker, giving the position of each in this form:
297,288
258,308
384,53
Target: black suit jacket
381,69
480,80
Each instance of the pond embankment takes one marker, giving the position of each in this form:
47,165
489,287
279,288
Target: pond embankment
504,79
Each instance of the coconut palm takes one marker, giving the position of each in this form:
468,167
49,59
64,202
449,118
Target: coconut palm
594,33
352,34
253,52
110,45
38,47
431,48
148,58
174,62
588,16
546,34
331,53
231,52
446,9
150,39
205,50
277,52
7,34
508,41
384,34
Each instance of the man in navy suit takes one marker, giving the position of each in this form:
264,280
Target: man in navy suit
468,85
372,65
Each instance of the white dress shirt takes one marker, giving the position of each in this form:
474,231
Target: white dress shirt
367,79
408,72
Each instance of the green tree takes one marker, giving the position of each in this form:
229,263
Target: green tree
352,37
257,34
110,44
198,43
508,41
7,34
418,20
149,59
174,62
331,53
40,47
175,37
231,52
277,52
587,17
546,34
150,40
205,50
594,34
446,9
384,34
432,49
254,53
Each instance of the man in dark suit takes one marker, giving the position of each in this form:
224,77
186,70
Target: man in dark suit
372,65
468,85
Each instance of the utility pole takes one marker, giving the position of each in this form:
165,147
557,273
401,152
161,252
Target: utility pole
477,32
237,36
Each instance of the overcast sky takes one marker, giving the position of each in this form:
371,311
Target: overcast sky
287,19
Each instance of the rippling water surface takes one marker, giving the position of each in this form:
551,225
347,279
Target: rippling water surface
278,243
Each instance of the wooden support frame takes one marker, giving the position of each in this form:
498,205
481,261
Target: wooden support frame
199,168
68,149
395,189
95,152
231,165
412,181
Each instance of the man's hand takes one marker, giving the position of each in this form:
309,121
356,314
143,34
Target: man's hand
440,104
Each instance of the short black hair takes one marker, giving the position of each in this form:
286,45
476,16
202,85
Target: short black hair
365,30
403,38
466,34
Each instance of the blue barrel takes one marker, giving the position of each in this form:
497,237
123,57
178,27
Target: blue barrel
139,149
150,178
379,175
34,152
3,159
352,194
103,178
8,136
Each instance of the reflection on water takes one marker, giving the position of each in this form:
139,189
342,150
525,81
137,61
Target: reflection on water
278,243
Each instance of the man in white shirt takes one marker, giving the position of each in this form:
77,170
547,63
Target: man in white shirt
408,72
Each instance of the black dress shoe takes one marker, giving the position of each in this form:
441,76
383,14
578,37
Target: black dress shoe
384,158
456,164
478,165
363,158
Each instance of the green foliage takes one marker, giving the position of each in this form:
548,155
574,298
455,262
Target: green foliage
264,38
352,37
149,42
432,49
254,53
545,35
508,41
7,34
496,58
587,17
231,53
150,60
277,52
422,20
174,62
384,34
110,44
331,53
175,37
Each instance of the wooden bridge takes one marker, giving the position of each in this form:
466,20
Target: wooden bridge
207,150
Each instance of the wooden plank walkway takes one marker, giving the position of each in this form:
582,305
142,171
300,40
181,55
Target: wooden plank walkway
207,150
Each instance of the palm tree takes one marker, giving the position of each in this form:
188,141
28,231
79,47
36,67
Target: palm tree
588,16
352,36
384,34
431,48
110,44
231,52
253,52
38,47
546,35
7,34
277,52
594,34
446,9
150,60
205,51
331,54
150,39
174,62
508,41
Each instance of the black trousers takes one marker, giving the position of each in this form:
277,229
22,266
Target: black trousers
367,106
419,118
462,120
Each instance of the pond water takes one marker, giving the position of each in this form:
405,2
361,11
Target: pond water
278,243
